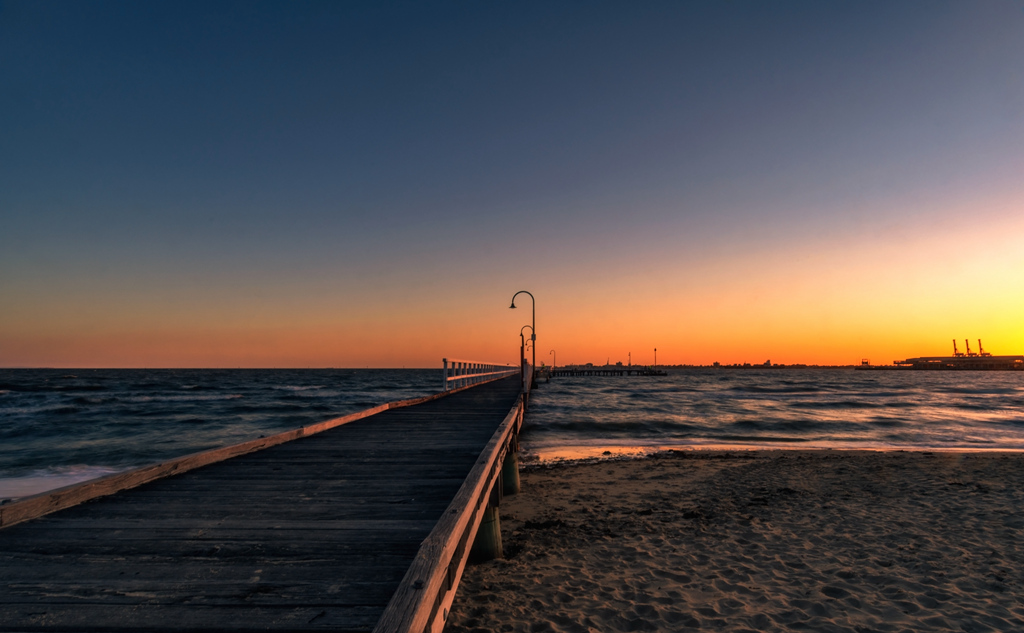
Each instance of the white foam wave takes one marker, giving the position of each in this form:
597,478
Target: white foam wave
197,398
39,481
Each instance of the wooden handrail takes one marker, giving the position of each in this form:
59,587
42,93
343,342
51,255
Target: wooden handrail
425,595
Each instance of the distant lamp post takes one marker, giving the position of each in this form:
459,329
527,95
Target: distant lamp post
554,359
655,359
533,325
523,339
522,354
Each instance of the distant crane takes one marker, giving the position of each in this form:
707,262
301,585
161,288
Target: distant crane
956,352
968,341
981,350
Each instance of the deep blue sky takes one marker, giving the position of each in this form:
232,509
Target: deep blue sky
224,149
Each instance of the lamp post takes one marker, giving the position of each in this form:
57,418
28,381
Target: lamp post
522,354
554,359
655,359
533,326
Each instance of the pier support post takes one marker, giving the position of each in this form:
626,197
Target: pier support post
487,544
510,470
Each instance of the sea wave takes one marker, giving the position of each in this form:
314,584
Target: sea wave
809,407
181,398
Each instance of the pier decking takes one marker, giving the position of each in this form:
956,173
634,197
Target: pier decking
318,533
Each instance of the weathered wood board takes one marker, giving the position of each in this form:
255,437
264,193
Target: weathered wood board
310,535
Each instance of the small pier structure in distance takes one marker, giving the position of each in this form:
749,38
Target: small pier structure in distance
606,370
361,523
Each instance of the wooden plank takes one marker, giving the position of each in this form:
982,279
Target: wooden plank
215,547
204,591
336,489
166,585
401,509
176,526
381,465
311,564
194,618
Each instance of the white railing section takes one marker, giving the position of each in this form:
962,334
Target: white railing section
462,373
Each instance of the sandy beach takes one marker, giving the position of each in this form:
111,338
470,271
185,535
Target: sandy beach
758,541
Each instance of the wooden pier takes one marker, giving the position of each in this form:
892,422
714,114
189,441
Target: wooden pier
606,371
362,523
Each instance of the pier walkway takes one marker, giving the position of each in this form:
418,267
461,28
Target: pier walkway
364,526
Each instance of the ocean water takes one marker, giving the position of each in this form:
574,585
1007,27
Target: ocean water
62,426
777,408
59,427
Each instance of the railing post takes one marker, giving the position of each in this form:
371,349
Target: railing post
445,386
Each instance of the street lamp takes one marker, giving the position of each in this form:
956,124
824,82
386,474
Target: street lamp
522,346
554,359
522,339
533,326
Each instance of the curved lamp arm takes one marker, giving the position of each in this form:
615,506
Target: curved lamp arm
533,303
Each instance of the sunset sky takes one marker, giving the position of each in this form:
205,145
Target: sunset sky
367,184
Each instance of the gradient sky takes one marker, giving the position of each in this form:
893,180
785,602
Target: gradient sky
343,184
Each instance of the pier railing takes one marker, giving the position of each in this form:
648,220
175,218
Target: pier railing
462,373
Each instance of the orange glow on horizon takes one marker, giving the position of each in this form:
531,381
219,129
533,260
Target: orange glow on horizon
833,303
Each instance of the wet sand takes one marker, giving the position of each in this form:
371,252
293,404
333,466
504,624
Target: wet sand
758,541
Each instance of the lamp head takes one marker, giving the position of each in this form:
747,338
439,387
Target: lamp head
513,306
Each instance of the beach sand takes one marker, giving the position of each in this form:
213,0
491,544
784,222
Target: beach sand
758,541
